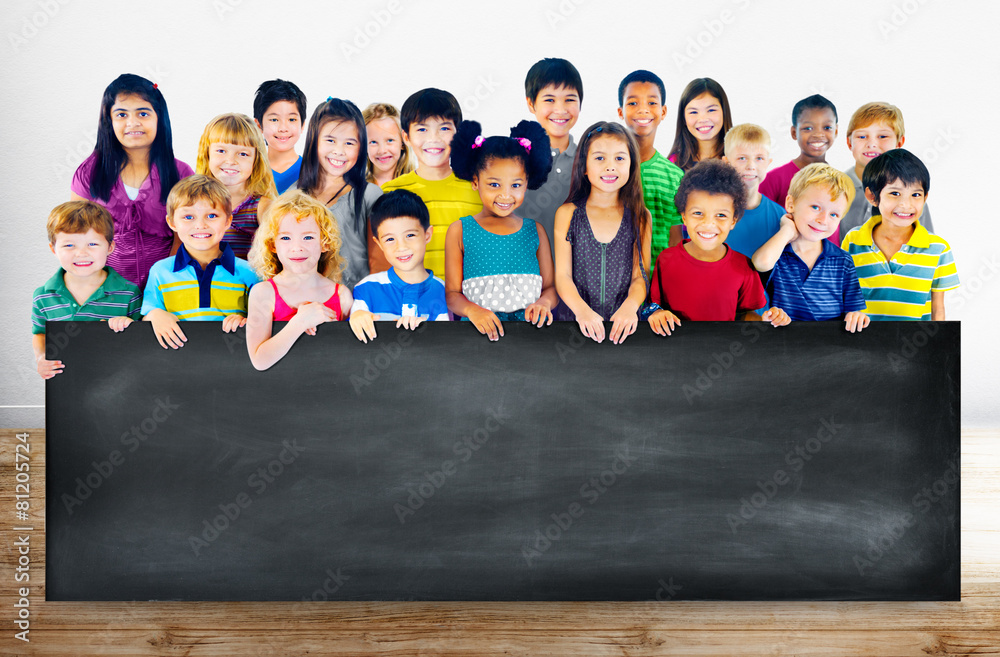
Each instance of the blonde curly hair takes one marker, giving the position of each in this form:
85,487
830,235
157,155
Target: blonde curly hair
262,256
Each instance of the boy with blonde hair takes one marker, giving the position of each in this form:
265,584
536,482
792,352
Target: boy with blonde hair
748,150
810,277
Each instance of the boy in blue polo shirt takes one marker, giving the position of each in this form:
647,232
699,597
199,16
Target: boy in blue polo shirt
810,277
81,234
204,280
407,292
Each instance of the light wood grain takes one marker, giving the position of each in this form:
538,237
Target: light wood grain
968,627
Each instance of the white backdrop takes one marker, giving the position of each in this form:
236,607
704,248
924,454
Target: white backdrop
937,61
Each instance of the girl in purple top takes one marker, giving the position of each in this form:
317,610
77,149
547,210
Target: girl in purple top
131,172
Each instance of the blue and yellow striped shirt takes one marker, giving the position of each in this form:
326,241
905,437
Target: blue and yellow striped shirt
901,287
180,286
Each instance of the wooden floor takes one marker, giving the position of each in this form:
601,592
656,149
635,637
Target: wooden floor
969,627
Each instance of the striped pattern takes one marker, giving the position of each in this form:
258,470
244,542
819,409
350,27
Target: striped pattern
827,292
390,297
660,180
447,201
901,288
177,289
53,302
239,235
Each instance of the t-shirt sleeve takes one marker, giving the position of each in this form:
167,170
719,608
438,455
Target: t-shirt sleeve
854,299
80,185
656,290
183,170
151,296
946,274
361,298
37,316
925,219
752,295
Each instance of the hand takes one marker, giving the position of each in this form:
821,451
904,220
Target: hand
48,368
233,322
662,322
787,228
119,324
856,320
363,325
167,329
486,322
310,315
409,321
591,325
624,323
537,314
776,316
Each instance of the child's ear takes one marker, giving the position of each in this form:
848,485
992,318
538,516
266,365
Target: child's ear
620,114
111,247
428,234
795,134
870,197
531,104
725,159
406,136
52,248
849,142
170,223
229,221
789,203
899,143
259,127
475,182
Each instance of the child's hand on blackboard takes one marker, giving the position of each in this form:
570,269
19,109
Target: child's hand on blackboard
776,316
119,324
408,321
591,325
538,314
662,322
166,328
623,323
233,322
856,321
486,322
363,325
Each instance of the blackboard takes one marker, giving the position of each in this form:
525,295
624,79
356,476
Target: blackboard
728,461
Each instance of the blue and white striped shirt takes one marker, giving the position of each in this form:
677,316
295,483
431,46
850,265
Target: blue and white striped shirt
827,292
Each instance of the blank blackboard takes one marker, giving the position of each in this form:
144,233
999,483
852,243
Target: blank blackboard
728,461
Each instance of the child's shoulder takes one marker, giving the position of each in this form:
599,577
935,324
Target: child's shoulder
118,283
404,181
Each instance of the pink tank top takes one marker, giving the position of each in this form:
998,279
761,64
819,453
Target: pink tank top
283,312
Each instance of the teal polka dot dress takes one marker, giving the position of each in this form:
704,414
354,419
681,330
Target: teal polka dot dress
500,271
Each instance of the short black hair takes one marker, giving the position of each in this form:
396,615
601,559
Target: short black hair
272,91
898,164
713,177
395,204
428,103
554,71
813,102
641,76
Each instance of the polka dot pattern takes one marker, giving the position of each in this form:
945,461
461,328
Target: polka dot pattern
500,271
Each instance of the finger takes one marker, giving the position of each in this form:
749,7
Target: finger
160,339
358,332
499,325
369,328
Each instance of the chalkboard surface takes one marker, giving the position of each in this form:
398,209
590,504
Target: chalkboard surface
728,461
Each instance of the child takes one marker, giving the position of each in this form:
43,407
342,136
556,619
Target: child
640,105
874,129
130,172
602,235
81,235
407,292
748,150
429,118
904,269
388,156
553,90
811,278
702,279
204,281
814,127
232,151
296,253
499,266
278,109
703,119
333,172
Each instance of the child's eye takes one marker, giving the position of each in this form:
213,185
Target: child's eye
212,215
494,185
599,158
814,207
631,102
309,237
516,185
284,238
620,158
390,140
143,114
445,128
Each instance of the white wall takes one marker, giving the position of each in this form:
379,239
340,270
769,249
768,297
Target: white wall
935,60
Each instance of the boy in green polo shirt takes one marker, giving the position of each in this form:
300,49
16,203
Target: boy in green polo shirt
81,235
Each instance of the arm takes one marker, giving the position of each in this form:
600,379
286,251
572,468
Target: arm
626,318
485,321
264,349
46,368
937,305
767,255
591,324
541,310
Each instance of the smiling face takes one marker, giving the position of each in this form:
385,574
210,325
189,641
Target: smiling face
282,125
642,108
430,139
815,214
751,162
556,109
708,219
200,227
338,148
134,122
815,131
871,141
298,244
608,163
703,117
82,254
231,164
385,144
899,203
501,186
404,241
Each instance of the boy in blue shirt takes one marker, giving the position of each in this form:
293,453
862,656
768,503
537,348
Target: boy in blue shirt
748,150
204,281
407,292
811,278
278,108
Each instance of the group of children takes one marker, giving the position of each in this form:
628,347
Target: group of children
528,226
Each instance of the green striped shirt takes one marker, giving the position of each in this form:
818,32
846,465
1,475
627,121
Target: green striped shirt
53,302
660,180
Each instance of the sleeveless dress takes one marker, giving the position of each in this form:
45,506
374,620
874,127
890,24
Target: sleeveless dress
501,272
283,312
